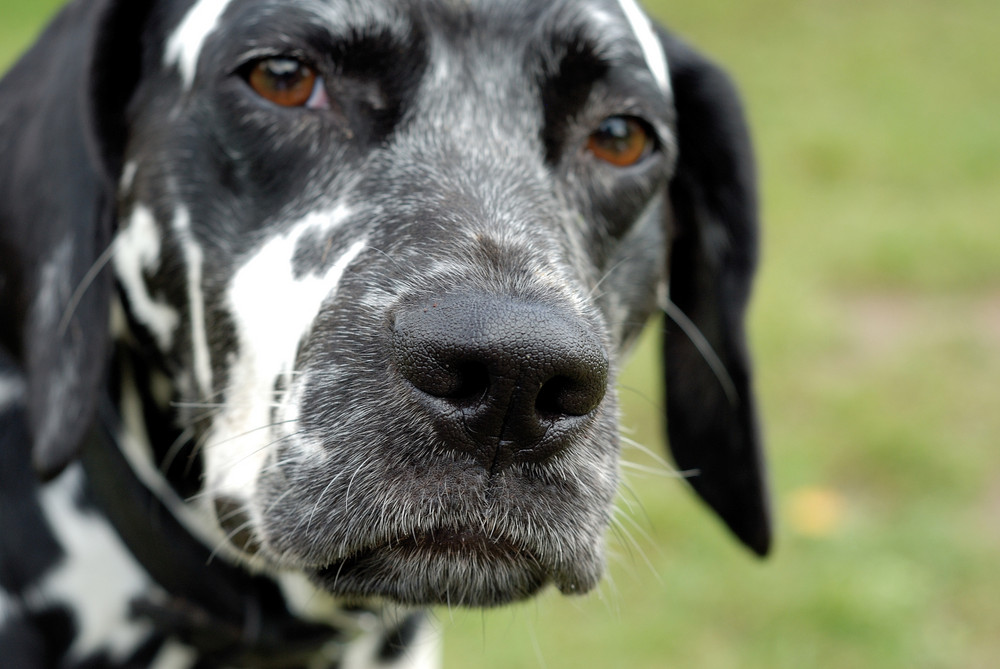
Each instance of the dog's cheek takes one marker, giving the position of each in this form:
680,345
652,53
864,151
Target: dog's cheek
632,286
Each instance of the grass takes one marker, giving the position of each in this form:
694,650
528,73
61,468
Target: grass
876,327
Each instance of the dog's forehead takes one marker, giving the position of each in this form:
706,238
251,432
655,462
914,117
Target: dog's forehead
618,27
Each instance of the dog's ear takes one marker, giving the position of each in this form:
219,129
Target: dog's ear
713,229
62,115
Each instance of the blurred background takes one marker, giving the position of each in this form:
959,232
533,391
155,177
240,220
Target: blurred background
876,330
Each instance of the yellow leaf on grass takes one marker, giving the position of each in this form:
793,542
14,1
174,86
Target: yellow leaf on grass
816,511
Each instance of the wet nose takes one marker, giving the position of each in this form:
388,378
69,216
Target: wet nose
504,380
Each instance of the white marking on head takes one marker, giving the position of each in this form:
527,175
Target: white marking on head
193,258
273,312
185,44
652,50
137,250
98,574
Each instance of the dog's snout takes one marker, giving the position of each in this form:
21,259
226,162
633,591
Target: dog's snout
505,380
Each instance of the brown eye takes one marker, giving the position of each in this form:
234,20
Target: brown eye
284,81
621,141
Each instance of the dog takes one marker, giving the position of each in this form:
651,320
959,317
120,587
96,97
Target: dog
312,313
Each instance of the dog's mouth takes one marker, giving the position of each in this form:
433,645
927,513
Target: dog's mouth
450,566
454,566
461,543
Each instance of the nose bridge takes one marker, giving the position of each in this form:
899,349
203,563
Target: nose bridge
477,119
466,173
480,82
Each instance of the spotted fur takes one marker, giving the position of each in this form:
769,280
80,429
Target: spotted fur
354,359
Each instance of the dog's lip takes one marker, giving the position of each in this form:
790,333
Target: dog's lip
462,543
446,566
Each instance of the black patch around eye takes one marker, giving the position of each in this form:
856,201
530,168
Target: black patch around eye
396,64
370,72
565,91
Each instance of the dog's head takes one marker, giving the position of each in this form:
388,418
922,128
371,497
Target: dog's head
380,262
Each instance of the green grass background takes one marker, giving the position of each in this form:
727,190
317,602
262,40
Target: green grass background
876,327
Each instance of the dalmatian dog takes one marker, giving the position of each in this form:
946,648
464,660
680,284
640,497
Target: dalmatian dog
311,315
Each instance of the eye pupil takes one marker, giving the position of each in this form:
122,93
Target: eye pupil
283,81
621,141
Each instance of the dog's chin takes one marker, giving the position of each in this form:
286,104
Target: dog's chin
452,568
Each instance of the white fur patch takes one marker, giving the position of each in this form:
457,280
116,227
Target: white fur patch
137,250
193,258
98,575
424,652
185,44
273,311
173,655
652,50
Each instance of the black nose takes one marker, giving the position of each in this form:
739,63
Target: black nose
504,380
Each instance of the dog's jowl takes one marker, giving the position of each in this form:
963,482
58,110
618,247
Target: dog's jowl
311,314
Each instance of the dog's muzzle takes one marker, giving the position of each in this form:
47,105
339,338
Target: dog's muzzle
504,381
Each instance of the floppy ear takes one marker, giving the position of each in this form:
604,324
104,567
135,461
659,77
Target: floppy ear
713,229
62,110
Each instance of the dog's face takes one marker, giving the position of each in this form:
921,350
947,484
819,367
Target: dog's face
392,254
380,262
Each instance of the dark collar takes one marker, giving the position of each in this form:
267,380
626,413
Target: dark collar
229,616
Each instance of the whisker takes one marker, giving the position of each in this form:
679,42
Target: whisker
626,487
228,539
175,449
616,522
319,500
705,348
81,289
357,470
247,433
606,275
264,447
660,472
644,396
653,455
200,405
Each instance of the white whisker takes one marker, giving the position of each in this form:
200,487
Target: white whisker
81,289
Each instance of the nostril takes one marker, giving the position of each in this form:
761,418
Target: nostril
564,396
471,383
